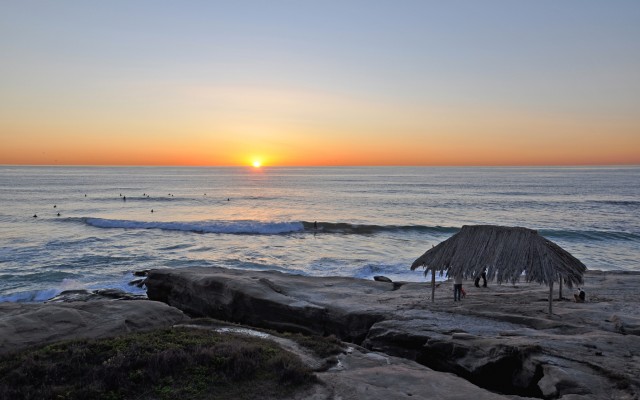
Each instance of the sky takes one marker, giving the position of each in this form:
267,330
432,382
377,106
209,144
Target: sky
537,82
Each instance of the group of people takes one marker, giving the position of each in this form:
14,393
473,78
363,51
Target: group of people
459,292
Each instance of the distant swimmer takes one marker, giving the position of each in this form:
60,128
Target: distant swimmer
58,214
35,216
54,206
152,210
315,224
124,198
85,195
228,199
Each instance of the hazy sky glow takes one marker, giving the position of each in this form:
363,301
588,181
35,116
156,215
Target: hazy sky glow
320,83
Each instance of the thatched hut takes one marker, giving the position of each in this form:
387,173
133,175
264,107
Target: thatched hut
507,253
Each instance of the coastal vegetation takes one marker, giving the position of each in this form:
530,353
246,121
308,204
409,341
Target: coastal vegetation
163,364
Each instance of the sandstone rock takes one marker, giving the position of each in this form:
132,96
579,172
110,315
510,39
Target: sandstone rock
23,325
358,373
627,326
361,374
556,381
499,338
273,300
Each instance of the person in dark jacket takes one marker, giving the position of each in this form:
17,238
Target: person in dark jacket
580,297
483,275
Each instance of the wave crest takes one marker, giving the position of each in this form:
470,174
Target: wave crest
357,229
234,227
249,227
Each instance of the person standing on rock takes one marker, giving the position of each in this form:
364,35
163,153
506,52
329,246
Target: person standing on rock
457,287
580,297
483,275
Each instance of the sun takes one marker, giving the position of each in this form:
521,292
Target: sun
256,164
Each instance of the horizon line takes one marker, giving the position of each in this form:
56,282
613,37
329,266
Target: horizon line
331,166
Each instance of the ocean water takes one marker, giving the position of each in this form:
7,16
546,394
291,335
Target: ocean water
370,220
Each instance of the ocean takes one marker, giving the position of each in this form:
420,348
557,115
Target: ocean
96,225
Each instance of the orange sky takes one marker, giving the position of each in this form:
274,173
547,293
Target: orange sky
350,134
149,84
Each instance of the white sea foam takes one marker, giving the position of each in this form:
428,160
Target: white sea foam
31,296
395,272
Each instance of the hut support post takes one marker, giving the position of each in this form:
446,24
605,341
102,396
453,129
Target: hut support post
550,298
560,290
433,285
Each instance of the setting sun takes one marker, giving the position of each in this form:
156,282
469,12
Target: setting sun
265,101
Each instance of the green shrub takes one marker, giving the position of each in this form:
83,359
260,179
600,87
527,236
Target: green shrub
322,346
175,363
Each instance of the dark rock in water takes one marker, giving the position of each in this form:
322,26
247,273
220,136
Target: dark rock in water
118,294
137,282
71,295
380,278
144,272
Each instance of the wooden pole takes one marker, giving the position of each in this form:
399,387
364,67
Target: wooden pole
550,298
560,290
433,285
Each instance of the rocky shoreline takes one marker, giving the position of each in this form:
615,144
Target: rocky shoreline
498,342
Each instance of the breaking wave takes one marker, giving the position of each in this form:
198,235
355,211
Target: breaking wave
249,227
233,227
357,229
31,296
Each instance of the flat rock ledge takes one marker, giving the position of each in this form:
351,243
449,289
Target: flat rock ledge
498,342
31,324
